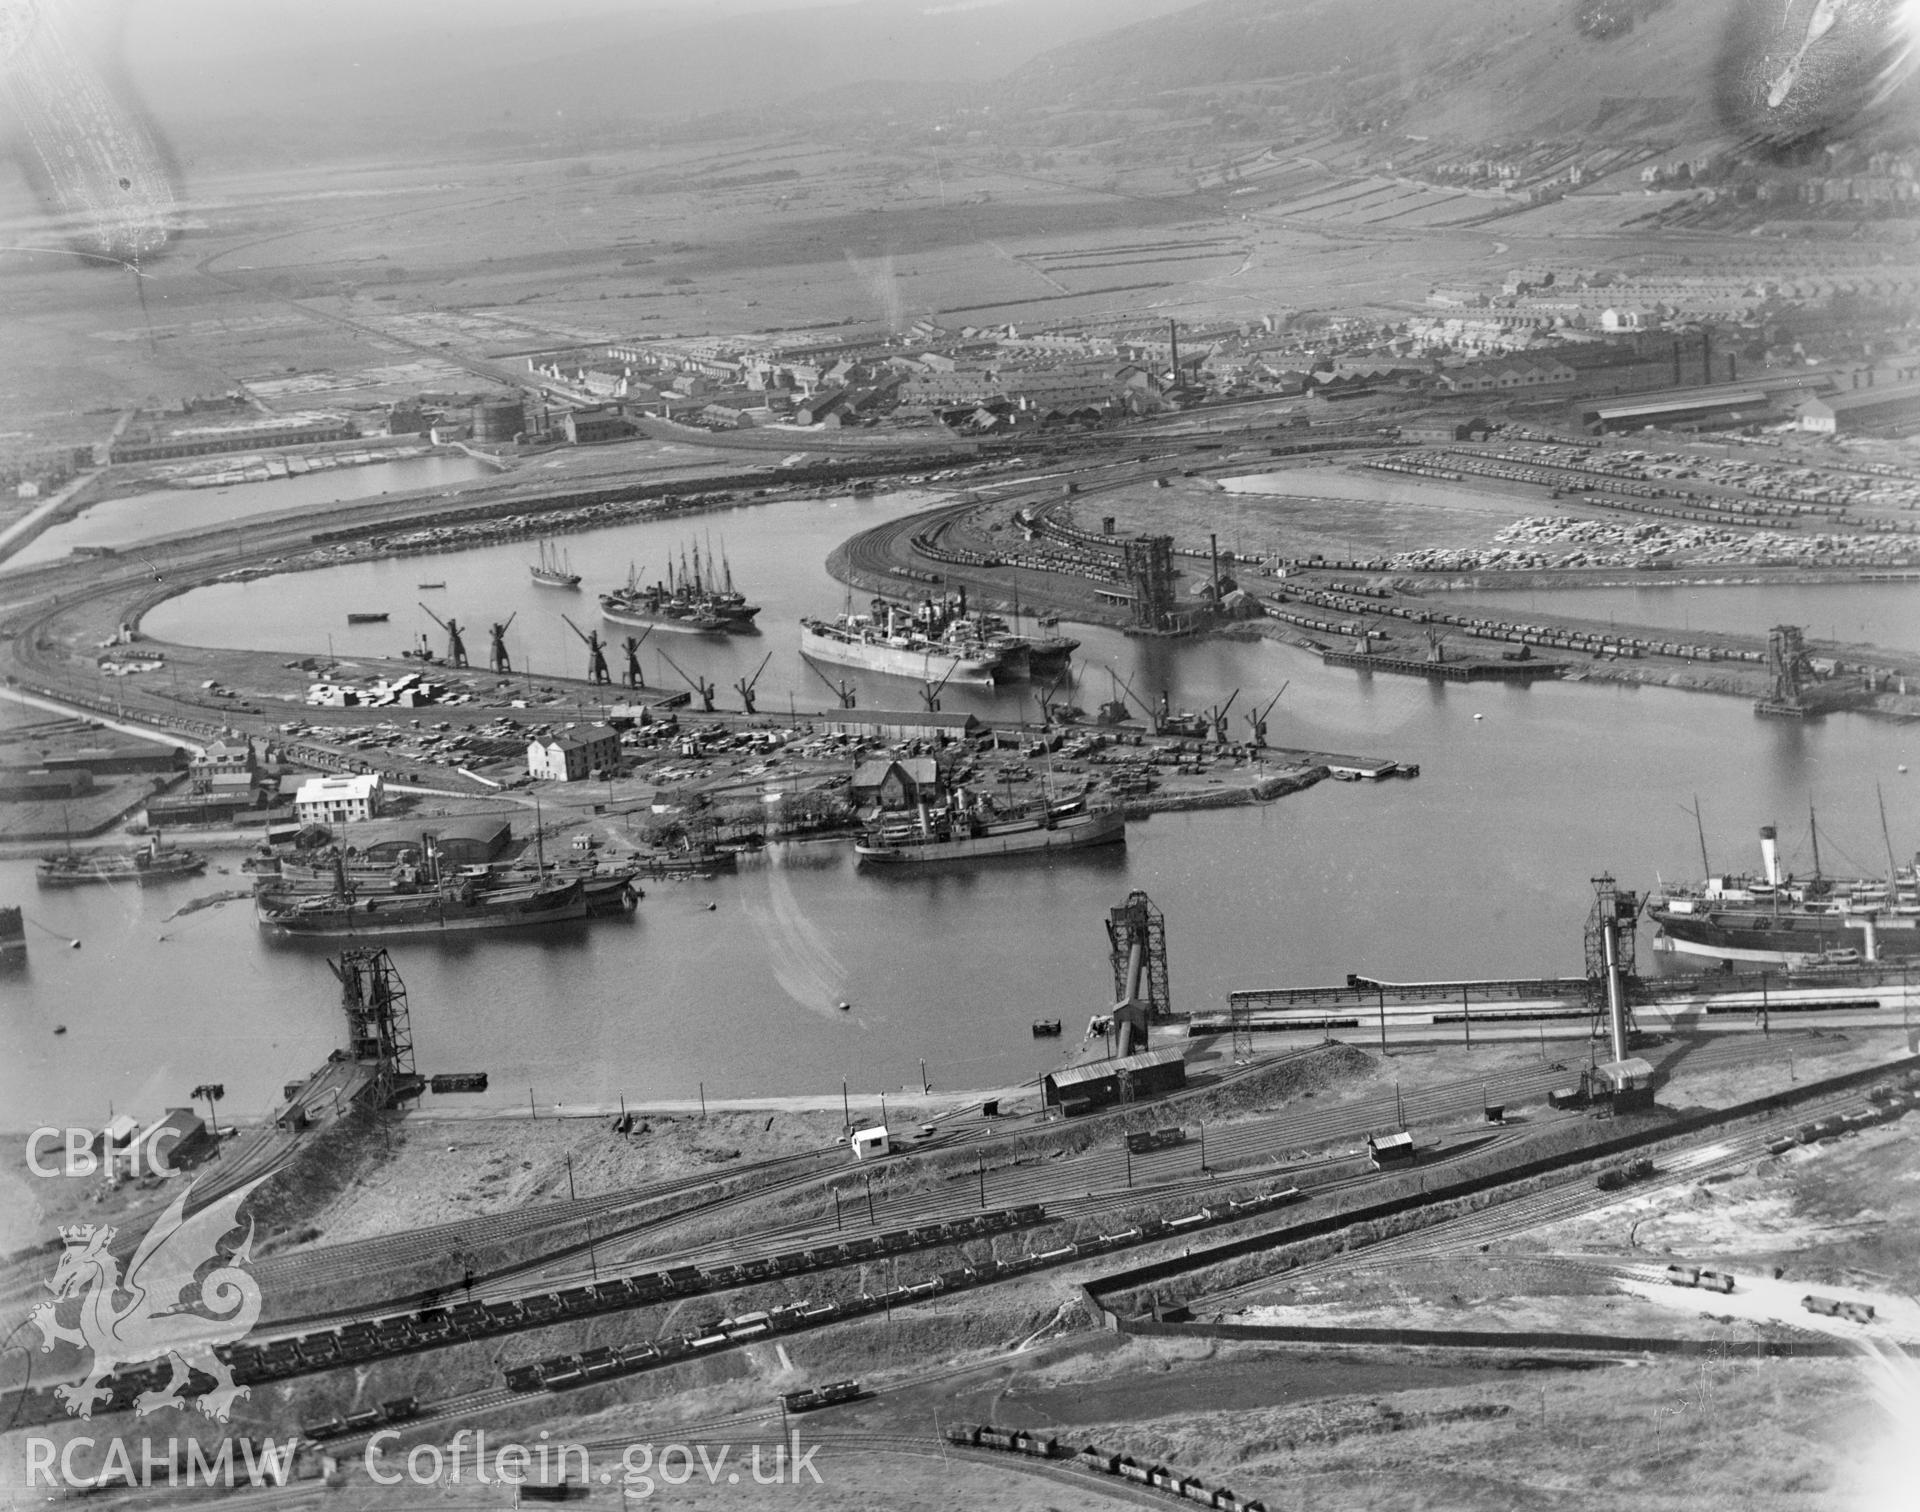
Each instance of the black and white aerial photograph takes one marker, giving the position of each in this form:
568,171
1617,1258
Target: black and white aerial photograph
911,755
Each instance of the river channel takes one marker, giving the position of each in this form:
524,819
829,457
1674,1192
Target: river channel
134,518
1479,867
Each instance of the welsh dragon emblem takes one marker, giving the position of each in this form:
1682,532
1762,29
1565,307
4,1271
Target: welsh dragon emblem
147,1313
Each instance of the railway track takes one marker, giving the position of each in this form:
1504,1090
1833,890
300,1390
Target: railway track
1576,1196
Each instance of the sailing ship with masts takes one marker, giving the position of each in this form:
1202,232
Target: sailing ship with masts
699,600
554,569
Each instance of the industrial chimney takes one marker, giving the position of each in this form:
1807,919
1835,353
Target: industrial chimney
1770,854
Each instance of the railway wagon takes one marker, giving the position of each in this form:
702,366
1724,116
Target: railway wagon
1719,1281
1833,1307
812,1398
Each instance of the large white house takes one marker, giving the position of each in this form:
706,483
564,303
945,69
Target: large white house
339,800
570,756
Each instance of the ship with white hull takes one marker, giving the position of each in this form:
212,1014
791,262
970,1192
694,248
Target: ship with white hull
1776,920
893,647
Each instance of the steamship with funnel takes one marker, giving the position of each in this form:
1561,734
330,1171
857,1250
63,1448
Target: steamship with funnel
1778,920
970,829
890,641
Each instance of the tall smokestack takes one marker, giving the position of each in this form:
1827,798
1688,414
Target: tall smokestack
1213,550
1173,336
1770,854
1706,355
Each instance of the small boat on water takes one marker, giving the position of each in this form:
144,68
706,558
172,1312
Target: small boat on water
554,569
13,936
368,618
432,585
1046,1028
152,864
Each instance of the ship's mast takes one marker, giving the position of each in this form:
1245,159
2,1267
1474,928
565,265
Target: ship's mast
1706,866
1813,826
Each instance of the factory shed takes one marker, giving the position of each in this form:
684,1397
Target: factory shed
1079,1089
903,726
471,841
1709,406
1894,407
1629,1083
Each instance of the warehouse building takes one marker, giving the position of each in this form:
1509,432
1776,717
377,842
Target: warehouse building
339,800
574,755
877,725
1127,1078
1896,407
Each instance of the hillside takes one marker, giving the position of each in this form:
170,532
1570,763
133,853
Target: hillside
426,82
1463,69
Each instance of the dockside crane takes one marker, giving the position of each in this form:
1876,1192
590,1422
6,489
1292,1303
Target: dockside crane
497,657
745,685
842,690
1114,711
596,653
1258,722
1218,719
700,685
1065,713
930,691
456,644
635,677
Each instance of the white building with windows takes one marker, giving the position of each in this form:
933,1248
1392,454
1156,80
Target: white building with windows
339,800
573,754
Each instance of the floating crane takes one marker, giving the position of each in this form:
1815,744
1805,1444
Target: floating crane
700,685
596,653
635,677
842,690
1217,717
456,644
1258,722
745,685
497,657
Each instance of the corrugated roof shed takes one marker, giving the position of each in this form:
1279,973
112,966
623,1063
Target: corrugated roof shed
1075,1076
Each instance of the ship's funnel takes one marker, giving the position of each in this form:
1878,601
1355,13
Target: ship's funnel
1770,854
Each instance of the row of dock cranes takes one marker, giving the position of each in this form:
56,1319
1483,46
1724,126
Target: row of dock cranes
1213,723
1160,717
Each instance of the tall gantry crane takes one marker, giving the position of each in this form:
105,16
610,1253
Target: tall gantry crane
456,643
700,685
596,653
635,677
497,657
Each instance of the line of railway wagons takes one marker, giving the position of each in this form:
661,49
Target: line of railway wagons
399,1410
1833,1307
430,1327
565,1372
1189,1488
1889,1106
1706,1280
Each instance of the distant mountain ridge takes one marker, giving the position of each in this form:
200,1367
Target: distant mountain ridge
1472,69
337,93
